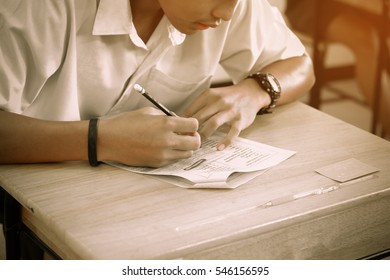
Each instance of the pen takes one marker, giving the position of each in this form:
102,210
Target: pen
290,198
274,202
141,90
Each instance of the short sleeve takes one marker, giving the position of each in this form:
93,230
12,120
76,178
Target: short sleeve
29,53
258,36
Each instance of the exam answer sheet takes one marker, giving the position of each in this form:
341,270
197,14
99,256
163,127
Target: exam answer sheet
209,168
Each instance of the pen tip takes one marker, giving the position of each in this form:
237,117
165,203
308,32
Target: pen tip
138,88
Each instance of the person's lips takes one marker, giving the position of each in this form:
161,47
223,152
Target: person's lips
203,26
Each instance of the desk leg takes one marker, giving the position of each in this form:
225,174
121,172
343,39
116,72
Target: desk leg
2,192
12,224
18,243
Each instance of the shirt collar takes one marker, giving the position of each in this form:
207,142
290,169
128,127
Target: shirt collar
176,37
115,18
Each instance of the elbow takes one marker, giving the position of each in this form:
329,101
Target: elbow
310,77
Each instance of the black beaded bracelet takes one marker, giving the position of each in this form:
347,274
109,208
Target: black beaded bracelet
92,142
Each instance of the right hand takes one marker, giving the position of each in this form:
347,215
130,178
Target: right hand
146,138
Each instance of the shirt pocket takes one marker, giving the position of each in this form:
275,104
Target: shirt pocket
173,93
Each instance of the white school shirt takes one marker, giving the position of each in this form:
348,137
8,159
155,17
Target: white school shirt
73,59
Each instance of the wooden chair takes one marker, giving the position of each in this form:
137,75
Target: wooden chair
329,8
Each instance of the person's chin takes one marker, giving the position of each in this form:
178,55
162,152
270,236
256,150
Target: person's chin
190,30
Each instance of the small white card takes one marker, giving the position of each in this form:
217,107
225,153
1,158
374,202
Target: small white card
347,170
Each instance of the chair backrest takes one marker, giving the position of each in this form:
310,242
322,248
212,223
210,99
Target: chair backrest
324,12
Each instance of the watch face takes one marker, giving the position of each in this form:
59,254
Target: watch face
273,83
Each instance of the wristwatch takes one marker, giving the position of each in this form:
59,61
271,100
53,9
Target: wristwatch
271,85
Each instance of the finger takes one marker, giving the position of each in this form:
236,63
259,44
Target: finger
175,155
168,156
233,133
211,125
216,105
185,126
206,113
197,105
187,142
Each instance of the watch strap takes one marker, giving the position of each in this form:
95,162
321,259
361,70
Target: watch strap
263,80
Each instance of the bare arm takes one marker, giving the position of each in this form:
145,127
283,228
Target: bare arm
137,138
27,140
295,75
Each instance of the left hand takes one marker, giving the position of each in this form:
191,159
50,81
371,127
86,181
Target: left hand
236,106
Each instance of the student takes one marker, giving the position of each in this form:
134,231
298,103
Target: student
63,63
355,32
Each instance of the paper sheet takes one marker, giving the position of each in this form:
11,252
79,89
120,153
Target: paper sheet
210,168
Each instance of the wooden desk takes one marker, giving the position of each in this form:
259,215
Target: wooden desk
107,213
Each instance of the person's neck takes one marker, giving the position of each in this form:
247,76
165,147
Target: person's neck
146,16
